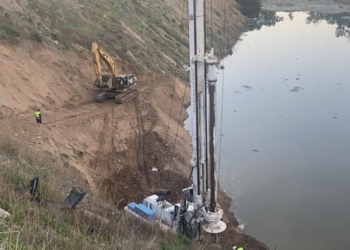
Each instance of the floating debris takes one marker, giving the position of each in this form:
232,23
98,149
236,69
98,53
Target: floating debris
334,117
297,78
255,150
295,89
247,87
241,226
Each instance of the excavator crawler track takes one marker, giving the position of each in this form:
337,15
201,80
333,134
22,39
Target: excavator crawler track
101,97
124,97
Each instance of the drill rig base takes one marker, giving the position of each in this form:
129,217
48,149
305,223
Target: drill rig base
214,227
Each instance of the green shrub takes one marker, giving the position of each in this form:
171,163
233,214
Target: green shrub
11,30
180,242
249,8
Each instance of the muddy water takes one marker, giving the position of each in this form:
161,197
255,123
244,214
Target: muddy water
285,155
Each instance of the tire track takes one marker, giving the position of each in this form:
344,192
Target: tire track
67,115
141,160
102,155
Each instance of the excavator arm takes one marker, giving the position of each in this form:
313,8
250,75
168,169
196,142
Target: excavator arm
98,55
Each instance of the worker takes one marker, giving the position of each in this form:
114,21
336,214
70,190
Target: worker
38,116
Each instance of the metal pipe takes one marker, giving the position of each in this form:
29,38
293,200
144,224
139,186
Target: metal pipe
212,134
194,128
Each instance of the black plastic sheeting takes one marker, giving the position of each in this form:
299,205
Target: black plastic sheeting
34,184
74,198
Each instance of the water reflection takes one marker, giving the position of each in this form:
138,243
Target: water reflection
341,20
285,137
271,18
266,18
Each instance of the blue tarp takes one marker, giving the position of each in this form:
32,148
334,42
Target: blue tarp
145,212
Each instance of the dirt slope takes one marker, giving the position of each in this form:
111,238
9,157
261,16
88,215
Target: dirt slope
33,75
111,148
100,140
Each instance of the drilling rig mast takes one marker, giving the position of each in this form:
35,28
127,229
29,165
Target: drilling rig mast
203,102
198,208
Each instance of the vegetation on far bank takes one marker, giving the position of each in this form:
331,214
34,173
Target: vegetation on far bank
250,8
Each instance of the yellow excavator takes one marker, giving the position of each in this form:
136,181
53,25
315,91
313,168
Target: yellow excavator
120,87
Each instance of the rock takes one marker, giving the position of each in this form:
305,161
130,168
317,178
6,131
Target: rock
4,214
154,169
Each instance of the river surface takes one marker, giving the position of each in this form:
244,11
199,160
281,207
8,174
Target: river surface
285,150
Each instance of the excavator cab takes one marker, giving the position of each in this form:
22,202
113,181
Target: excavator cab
125,82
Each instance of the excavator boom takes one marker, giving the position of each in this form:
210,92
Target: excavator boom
120,87
98,55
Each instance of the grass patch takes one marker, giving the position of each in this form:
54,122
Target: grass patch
180,242
49,225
